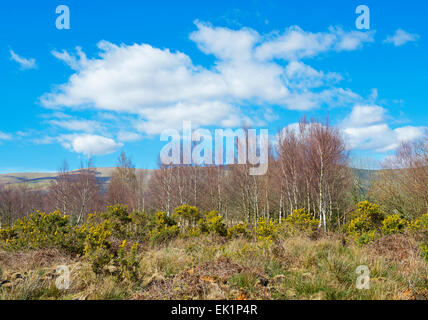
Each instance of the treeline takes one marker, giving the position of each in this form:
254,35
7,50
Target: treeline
309,167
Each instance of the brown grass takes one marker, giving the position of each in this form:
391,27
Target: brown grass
35,259
204,268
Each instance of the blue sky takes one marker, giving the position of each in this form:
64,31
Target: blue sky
126,70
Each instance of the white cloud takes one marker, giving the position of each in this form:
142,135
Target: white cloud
5,136
77,125
44,140
296,43
361,134
90,145
377,137
203,114
71,61
410,133
163,87
349,41
136,78
127,136
365,115
23,62
401,37
307,100
366,128
225,43
304,76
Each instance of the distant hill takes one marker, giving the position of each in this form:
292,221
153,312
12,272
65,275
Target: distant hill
364,174
41,180
364,177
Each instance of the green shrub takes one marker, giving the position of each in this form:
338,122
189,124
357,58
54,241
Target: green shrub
239,230
139,225
99,258
192,232
7,235
393,224
163,234
365,237
127,262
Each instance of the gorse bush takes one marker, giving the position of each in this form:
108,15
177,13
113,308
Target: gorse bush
124,224
301,221
42,230
419,225
366,222
162,228
239,230
187,215
139,225
419,228
393,224
99,258
214,224
119,219
360,225
161,220
369,223
267,229
116,224
424,250
367,237
166,233
127,262
97,236
370,210
109,240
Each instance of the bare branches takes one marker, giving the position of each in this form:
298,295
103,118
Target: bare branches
75,193
313,168
402,184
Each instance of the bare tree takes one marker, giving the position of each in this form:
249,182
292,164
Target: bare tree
123,184
160,189
402,184
76,193
141,181
18,201
60,190
85,192
312,160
